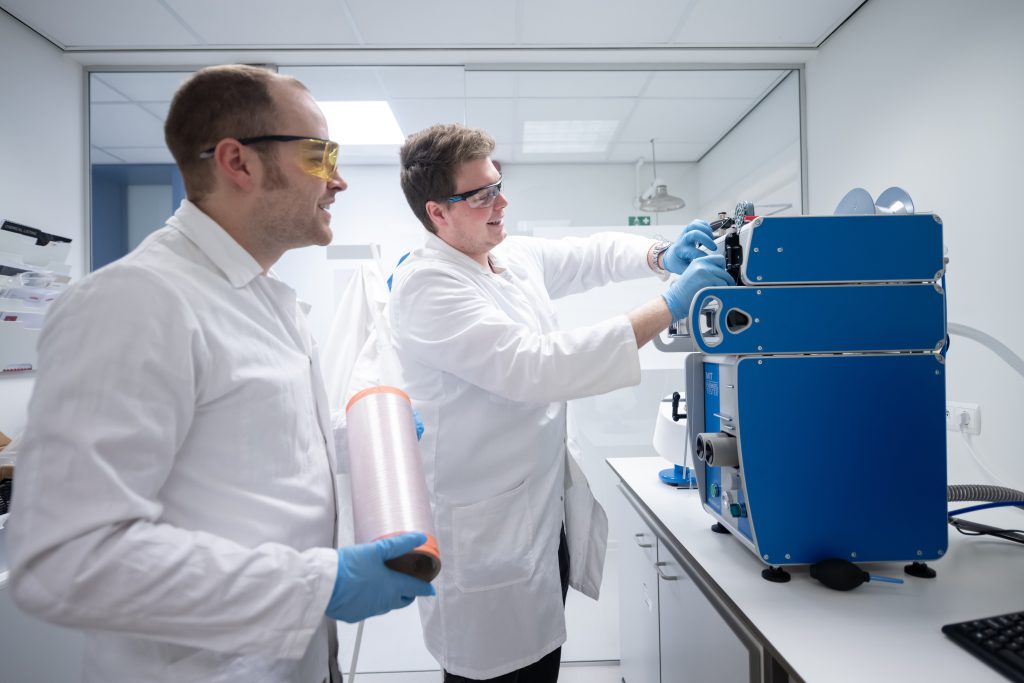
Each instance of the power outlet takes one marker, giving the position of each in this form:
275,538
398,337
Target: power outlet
966,414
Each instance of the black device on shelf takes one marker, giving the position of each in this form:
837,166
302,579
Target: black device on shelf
41,238
998,641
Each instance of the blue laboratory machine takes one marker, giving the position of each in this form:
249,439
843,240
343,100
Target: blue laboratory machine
816,397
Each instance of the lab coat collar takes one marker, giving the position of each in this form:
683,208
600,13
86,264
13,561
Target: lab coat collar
450,253
238,265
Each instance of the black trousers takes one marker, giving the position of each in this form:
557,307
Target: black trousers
545,670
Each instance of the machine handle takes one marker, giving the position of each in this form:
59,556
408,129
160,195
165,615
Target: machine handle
637,537
676,343
663,575
676,415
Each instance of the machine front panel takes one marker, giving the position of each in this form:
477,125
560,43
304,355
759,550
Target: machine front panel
819,319
823,249
844,456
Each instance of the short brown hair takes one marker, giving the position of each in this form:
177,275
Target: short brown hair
231,101
432,157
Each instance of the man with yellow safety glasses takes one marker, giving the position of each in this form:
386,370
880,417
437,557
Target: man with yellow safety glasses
317,157
176,494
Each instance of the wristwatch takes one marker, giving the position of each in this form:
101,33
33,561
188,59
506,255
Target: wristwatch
652,256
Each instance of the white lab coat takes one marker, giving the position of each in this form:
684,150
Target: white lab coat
175,479
489,371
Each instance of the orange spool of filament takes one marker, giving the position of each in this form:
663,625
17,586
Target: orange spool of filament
388,486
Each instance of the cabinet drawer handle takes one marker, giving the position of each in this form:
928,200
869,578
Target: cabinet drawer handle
663,575
637,538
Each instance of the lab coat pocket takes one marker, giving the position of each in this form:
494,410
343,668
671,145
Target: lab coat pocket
493,541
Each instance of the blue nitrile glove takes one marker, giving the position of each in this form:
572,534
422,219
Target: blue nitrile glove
677,257
419,423
365,587
706,271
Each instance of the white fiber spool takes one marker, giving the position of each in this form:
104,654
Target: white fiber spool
388,485
670,441
670,434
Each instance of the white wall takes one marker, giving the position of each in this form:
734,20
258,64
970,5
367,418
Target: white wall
41,161
759,160
42,185
929,95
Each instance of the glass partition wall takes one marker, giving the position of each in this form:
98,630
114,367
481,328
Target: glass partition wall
579,149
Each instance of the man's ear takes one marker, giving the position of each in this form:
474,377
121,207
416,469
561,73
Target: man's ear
236,164
436,214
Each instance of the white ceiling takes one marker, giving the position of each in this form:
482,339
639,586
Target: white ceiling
191,24
686,111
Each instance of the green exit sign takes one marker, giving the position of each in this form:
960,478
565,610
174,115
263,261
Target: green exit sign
639,220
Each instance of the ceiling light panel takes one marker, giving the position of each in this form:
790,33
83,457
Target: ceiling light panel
266,22
374,155
361,123
92,24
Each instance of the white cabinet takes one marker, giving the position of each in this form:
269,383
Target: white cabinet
670,631
696,643
638,601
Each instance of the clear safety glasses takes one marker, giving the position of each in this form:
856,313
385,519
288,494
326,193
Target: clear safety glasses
479,198
317,157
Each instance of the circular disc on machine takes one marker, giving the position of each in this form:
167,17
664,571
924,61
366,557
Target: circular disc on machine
894,200
857,202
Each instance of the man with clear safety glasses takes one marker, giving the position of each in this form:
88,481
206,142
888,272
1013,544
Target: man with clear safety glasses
490,371
176,495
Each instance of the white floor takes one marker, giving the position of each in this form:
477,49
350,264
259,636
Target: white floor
572,672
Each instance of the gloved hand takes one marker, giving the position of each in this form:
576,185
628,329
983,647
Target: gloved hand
706,271
365,587
677,257
419,423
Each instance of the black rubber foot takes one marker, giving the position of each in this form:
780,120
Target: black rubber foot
720,528
920,570
775,575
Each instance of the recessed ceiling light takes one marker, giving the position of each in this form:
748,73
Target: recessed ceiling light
567,137
362,123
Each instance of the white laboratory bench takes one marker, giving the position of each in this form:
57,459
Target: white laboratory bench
715,615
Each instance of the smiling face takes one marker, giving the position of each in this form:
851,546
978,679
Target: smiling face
294,210
473,231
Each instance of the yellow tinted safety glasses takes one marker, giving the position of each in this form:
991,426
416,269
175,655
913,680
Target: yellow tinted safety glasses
317,157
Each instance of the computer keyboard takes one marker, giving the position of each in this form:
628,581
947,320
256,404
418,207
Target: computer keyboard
998,641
